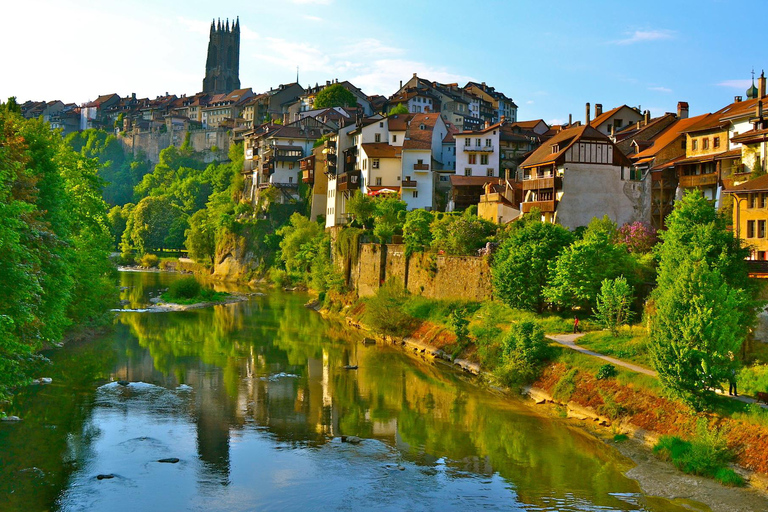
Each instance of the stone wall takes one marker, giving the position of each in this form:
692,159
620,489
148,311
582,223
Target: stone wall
431,275
151,143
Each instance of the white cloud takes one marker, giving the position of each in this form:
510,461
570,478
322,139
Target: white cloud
529,102
313,18
555,121
645,36
660,89
248,34
736,84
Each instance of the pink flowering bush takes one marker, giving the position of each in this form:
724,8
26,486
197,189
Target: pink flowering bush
638,237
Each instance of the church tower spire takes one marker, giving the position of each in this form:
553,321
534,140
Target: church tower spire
222,66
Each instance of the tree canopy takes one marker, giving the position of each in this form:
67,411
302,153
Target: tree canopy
335,95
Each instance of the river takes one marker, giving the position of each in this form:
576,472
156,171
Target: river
253,398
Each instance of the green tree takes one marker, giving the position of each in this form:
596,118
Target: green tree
400,108
388,217
301,241
201,237
335,96
362,207
577,275
524,349
416,230
461,234
153,222
614,303
520,265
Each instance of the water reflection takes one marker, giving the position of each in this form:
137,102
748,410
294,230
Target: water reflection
253,398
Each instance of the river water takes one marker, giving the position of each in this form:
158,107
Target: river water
252,399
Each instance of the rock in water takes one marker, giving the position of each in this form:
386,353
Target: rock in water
170,460
351,439
46,380
123,382
11,418
105,477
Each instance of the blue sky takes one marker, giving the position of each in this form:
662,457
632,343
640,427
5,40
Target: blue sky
550,57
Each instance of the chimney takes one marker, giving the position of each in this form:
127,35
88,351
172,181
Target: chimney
414,75
737,99
682,110
570,119
647,118
598,109
587,113
401,84
761,85
327,83
285,118
487,124
503,119
759,109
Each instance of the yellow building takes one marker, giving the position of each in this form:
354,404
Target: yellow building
750,215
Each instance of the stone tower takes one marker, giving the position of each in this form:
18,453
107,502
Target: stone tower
222,67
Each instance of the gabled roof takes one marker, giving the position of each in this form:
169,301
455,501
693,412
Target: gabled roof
399,122
564,140
633,131
598,120
759,184
417,137
449,137
529,125
707,122
382,150
751,136
669,135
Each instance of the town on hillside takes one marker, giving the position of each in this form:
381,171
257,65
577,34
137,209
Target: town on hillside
446,147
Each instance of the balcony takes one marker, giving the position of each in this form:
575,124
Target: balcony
330,168
478,149
249,154
306,164
348,181
702,180
330,144
421,167
544,206
308,176
543,183
330,157
408,183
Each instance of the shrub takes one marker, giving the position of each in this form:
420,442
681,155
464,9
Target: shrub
384,313
279,277
611,407
149,260
184,288
167,264
606,372
566,386
524,349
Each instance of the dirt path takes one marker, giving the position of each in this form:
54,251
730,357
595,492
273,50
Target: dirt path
569,341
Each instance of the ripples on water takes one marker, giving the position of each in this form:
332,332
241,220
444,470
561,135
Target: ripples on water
253,400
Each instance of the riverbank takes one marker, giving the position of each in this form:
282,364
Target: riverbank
607,413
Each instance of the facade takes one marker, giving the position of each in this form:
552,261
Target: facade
750,215
496,104
92,114
222,66
612,121
222,107
578,175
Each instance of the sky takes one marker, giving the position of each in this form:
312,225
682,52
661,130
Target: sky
549,57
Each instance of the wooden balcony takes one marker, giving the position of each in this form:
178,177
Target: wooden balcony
420,167
308,176
702,180
478,149
543,183
408,183
544,206
348,181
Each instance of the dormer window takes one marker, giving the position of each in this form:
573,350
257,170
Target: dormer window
422,127
555,148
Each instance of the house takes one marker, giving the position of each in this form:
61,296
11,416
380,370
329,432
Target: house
613,120
639,136
92,113
750,215
314,172
307,99
498,103
222,107
578,175
500,202
271,105
453,103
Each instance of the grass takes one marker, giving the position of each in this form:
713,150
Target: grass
630,345
188,291
625,377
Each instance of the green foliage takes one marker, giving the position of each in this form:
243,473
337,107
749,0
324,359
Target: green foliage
361,207
520,265
524,350
184,288
155,223
706,455
613,304
301,241
201,237
461,235
335,96
606,371
54,243
577,275
398,109
566,386
416,231
704,302
620,438
383,311
149,260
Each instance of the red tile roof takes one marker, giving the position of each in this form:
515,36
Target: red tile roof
382,150
415,136
669,135
564,139
759,184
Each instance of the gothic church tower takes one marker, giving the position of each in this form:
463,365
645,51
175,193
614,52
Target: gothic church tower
222,67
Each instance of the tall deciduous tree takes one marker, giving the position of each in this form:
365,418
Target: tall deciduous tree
417,232
614,303
335,96
520,265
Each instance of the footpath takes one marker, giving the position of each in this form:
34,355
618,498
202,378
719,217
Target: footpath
569,341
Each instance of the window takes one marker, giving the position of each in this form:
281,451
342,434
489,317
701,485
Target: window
487,143
489,172
472,159
750,229
484,159
618,123
420,161
381,124
763,200
467,172
753,199
415,194
716,142
467,142
761,229
290,165
694,144
705,143
477,142
394,138
377,137
378,181
375,163
683,143
290,179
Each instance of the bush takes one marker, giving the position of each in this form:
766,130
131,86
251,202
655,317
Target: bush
168,264
566,386
279,277
524,349
384,313
184,288
606,372
149,260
